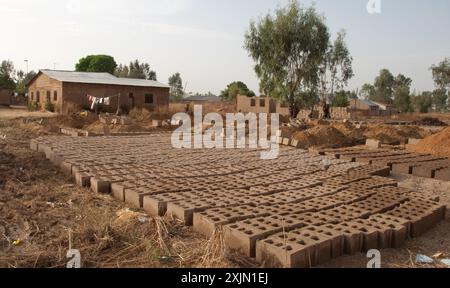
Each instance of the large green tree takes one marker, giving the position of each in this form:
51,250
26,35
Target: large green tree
7,75
423,102
367,91
384,87
288,49
441,74
23,79
96,63
440,99
136,70
176,87
336,69
235,88
401,93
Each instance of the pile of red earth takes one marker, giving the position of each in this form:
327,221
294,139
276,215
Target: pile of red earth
429,121
322,137
437,144
395,135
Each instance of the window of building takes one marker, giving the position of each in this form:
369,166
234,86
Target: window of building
32,96
38,96
48,96
148,98
252,102
284,105
262,102
55,96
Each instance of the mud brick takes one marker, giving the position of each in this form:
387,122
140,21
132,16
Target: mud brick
371,236
402,168
288,208
296,144
425,171
323,203
184,210
83,179
156,205
353,238
400,228
135,196
443,174
100,185
373,144
345,213
286,197
296,249
422,215
242,236
66,167
34,144
118,189
336,237
206,222
286,141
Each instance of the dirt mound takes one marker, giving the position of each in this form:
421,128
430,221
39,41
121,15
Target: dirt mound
322,137
355,132
393,135
429,121
437,144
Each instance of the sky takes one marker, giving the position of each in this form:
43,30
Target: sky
203,39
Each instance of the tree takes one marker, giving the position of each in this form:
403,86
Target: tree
337,64
136,70
235,88
384,87
441,74
22,81
440,98
7,75
176,87
288,49
341,99
401,93
423,102
96,63
367,91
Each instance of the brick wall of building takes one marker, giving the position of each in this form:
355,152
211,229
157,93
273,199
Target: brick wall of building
5,97
71,97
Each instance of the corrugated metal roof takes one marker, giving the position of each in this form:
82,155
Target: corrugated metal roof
368,102
100,78
203,98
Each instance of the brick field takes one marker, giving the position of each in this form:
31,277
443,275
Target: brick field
288,212
399,161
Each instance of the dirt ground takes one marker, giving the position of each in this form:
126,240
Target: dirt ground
14,113
43,215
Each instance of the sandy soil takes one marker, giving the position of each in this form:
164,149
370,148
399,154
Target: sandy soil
14,113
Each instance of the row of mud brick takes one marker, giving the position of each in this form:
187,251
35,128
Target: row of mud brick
399,161
287,212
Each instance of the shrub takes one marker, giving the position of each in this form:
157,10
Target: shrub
32,106
49,106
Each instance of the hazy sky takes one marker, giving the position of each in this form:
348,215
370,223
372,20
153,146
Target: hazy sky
203,39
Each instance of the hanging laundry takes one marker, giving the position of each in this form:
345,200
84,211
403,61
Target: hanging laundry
107,101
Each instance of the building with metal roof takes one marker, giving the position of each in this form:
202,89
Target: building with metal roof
69,91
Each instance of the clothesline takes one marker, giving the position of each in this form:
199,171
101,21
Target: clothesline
100,100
